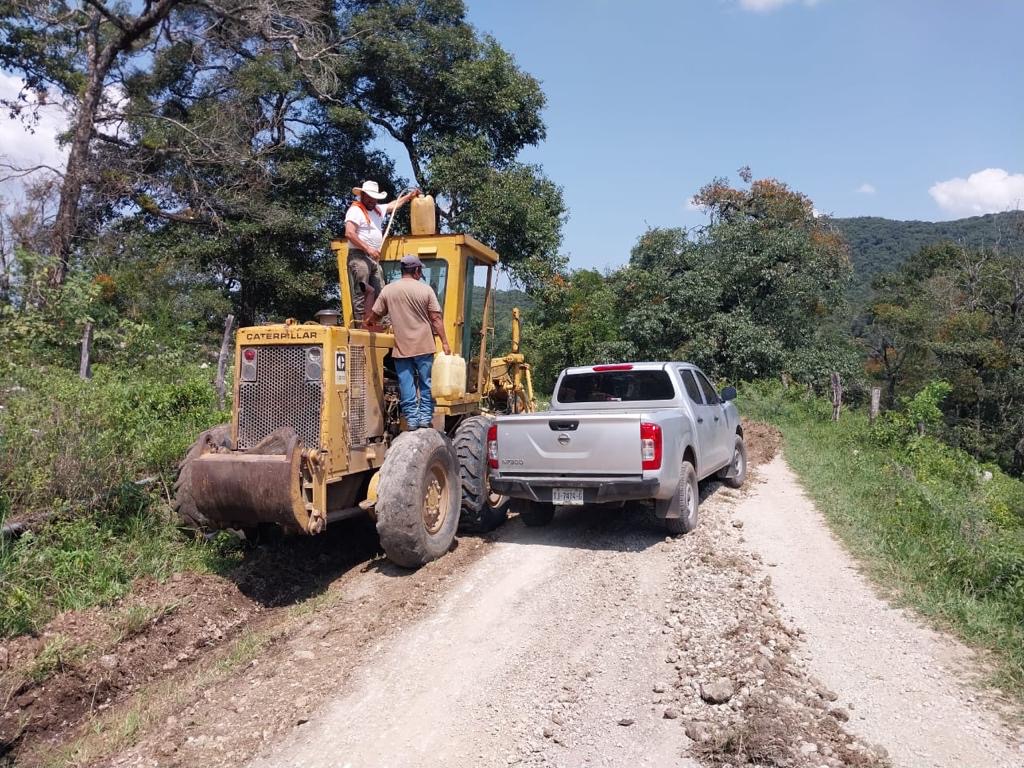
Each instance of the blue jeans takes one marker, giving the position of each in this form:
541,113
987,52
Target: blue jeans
419,413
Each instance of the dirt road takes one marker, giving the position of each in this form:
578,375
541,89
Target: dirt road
599,642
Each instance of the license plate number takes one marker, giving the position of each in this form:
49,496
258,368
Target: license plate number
567,496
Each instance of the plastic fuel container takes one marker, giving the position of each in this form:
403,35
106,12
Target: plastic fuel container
448,377
423,215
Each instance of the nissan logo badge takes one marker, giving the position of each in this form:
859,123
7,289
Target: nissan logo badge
563,439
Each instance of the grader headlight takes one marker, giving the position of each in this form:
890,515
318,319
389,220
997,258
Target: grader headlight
314,364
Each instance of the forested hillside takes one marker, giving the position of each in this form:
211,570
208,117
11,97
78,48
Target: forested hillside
881,245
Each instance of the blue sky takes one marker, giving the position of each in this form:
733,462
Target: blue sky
864,105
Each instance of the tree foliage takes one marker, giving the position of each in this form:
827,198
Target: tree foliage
956,314
219,140
748,296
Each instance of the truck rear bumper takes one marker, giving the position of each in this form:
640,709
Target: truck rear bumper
594,491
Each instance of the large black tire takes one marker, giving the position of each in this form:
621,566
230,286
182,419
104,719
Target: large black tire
739,462
418,498
482,510
184,503
689,502
533,513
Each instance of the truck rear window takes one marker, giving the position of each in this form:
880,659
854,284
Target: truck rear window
615,386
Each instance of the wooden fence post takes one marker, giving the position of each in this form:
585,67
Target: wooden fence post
84,367
876,402
837,396
222,360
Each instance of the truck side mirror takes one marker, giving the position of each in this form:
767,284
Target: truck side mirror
729,393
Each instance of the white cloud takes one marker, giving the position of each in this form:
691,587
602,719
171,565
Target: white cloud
767,6
989,191
867,188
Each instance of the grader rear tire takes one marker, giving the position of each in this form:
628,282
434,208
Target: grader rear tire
482,510
418,498
184,503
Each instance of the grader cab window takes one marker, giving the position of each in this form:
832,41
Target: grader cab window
435,274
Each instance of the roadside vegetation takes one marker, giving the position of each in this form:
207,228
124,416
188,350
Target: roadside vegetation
86,464
94,460
935,527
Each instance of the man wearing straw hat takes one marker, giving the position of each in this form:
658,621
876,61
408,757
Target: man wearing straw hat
364,230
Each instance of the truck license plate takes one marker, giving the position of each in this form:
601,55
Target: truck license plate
567,496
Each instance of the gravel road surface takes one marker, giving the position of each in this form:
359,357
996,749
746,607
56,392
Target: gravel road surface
912,689
597,641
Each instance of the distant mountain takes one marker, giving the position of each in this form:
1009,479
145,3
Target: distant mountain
881,245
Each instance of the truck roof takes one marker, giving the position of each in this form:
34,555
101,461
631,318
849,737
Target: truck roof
640,366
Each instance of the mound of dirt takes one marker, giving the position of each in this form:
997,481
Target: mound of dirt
763,441
742,695
86,661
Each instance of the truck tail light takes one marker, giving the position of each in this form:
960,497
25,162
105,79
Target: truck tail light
650,445
492,446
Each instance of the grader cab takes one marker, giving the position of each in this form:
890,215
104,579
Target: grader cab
316,435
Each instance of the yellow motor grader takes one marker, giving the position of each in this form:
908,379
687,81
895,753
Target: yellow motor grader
316,434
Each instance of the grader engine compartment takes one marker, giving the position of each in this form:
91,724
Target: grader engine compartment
316,434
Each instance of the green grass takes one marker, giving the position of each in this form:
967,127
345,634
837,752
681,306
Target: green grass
86,561
57,655
921,516
97,458
133,620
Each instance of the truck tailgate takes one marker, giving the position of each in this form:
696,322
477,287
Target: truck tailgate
569,444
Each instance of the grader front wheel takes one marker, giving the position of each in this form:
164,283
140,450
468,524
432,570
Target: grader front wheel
418,498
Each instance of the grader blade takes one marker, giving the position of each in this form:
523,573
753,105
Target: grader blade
262,485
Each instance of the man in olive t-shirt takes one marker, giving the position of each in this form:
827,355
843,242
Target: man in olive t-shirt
415,319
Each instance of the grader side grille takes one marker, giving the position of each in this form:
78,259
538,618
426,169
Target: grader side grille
281,396
357,396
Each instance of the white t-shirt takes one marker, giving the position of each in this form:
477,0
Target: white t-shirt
369,225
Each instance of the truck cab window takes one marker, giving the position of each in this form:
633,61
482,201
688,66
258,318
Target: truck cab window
710,394
692,390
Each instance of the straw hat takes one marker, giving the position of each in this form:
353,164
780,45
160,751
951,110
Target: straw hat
370,188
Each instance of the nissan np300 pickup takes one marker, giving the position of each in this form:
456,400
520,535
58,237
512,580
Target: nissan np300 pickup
622,432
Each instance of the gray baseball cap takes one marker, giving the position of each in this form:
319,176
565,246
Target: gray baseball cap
411,260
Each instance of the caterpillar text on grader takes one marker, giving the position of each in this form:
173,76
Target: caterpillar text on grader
315,433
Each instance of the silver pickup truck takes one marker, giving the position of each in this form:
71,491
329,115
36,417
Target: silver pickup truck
623,432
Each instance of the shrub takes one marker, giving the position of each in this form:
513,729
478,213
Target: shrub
73,445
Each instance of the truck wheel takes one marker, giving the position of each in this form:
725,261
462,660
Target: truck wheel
533,513
482,510
738,464
184,503
418,498
689,500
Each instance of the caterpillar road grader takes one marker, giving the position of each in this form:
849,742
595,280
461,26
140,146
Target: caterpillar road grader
316,434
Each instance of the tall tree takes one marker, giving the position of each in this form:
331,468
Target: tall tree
462,110
72,47
91,54
958,314
748,296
